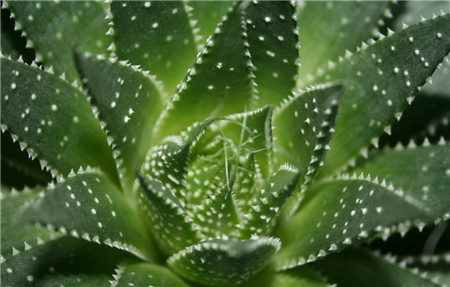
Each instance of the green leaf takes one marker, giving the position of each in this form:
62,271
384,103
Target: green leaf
204,17
62,261
325,31
300,277
128,108
172,228
273,45
17,169
265,205
379,83
55,28
220,262
88,206
218,84
363,268
156,35
303,127
145,274
435,265
52,120
422,172
343,211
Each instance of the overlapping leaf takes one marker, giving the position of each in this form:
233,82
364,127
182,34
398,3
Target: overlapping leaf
128,107
54,29
325,36
144,274
346,269
344,211
272,36
219,262
52,119
299,277
379,83
156,35
218,84
90,207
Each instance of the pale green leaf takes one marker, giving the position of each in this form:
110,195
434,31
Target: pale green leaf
272,35
423,173
325,31
145,274
88,206
218,84
380,81
204,17
128,108
54,29
52,119
363,268
156,35
219,262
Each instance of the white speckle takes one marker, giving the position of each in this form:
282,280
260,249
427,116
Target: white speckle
392,48
267,19
33,97
210,87
9,270
389,103
417,52
147,4
408,83
270,53
375,88
59,36
411,39
396,70
75,119
113,213
439,35
30,278
155,25
54,107
113,104
100,224
280,38
133,17
261,38
126,119
219,65
93,211
13,86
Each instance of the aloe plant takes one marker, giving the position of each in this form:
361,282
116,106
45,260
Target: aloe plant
153,143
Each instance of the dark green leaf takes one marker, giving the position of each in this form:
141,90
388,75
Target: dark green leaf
218,84
156,35
299,277
128,108
379,83
220,262
325,31
54,29
17,169
340,212
422,172
144,274
363,268
90,207
272,35
52,120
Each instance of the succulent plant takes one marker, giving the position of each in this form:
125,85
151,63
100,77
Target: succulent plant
167,143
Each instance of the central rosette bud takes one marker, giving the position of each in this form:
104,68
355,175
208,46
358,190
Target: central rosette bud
213,186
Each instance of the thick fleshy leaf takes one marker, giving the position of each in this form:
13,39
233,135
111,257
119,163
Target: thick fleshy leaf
62,261
325,27
145,274
52,119
13,44
265,205
422,172
205,16
17,169
218,84
373,96
272,36
298,277
436,266
303,128
363,268
172,228
90,207
128,108
156,35
343,211
54,29
220,262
